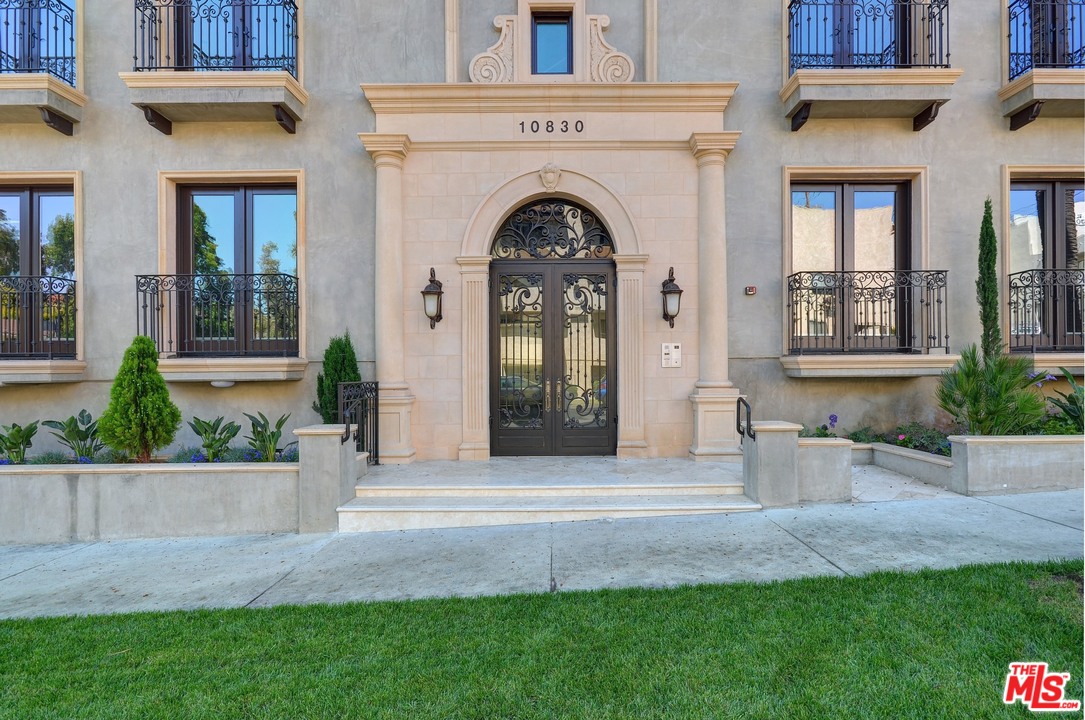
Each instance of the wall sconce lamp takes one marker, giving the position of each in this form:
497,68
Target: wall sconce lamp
431,299
672,298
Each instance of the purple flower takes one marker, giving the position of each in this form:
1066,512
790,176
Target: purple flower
832,420
1033,375
901,437
84,460
198,457
6,461
1050,377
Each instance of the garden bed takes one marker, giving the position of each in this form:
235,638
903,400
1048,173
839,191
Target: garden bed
90,502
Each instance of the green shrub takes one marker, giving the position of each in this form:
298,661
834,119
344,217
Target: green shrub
1071,408
53,457
15,439
920,437
865,435
340,365
991,396
79,433
216,437
265,439
140,417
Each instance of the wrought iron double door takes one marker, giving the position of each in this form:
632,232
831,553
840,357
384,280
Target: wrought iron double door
553,388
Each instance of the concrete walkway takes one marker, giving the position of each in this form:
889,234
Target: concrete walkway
889,530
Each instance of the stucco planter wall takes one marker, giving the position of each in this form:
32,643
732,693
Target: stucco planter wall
824,470
64,503
930,468
991,465
80,503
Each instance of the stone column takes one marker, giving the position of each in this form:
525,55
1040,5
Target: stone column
630,307
389,151
475,283
714,396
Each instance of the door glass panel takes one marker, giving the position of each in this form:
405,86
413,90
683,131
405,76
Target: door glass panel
813,229
56,222
875,297
1075,228
1027,229
10,226
275,243
583,389
875,230
214,314
520,351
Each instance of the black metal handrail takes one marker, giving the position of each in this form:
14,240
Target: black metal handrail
1046,34
38,36
37,317
1046,308
868,311
868,33
744,429
216,35
358,404
219,315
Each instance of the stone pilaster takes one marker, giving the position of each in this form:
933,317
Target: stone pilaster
389,151
474,281
631,435
714,395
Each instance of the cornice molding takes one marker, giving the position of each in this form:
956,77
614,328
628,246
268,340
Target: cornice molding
42,81
890,77
1042,76
242,79
388,99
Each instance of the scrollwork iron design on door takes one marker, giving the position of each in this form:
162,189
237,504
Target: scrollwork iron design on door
584,366
520,384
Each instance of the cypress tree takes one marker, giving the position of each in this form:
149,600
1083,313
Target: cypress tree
140,418
340,365
987,286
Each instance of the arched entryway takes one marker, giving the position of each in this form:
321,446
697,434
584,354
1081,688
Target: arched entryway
553,340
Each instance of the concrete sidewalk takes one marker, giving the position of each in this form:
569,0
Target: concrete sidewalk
940,531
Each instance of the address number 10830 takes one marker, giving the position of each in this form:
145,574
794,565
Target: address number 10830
535,127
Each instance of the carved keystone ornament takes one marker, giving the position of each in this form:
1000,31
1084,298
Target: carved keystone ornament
550,175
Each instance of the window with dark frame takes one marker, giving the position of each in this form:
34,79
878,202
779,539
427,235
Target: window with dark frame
237,270
552,43
851,287
1046,248
37,272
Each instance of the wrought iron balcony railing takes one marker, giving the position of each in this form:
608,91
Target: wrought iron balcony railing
868,33
867,312
1046,34
38,36
216,35
37,318
1046,308
219,315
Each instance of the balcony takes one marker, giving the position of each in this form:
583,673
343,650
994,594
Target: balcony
1046,61
222,327
216,61
1046,309
38,330
38,71
900,315
867,59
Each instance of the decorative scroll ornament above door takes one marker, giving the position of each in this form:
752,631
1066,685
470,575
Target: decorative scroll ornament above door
552,230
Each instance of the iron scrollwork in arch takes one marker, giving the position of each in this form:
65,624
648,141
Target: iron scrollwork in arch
553,230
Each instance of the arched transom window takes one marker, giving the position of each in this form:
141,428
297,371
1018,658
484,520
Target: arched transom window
552,229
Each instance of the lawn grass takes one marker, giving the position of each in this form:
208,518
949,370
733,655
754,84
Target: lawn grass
931,644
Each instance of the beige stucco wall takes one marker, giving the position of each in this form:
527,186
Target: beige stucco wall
349,43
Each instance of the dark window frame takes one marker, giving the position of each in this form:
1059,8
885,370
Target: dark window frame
552,18
243,260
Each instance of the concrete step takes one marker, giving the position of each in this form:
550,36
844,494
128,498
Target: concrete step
511,488
372,514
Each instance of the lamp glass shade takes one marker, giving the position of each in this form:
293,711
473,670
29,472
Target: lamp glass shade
672,301
431,301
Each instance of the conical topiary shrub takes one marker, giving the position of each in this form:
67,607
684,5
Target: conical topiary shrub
140,418
340,365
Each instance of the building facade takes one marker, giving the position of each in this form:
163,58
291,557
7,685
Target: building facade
244,179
